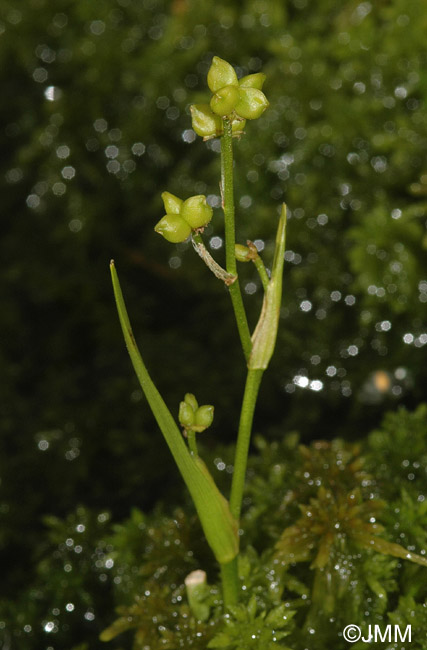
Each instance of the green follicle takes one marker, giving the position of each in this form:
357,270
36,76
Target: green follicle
221,74
190,399
242,253
196,211
186,415
232,98
253,81
204,417
204,122
172,203
248,253
194,418
224,100
173,228
183,216
252,103
209,125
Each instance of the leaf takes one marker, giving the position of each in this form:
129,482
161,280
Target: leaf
279,616
221,640
389,548
265,334
120,625
218,523
252,607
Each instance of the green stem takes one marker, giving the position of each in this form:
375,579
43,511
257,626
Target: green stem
253,382
230,582
230,236
191,436
216,269
262,272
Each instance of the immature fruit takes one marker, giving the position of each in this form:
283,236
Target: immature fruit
204,416
190,399
242,253
172,203
194,417
253,81
252,103
196,212
221,74
182,216
186,415
209,125
204,122
232,98
225,100
173,228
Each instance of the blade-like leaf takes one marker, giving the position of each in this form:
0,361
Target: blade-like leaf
217,521
264,336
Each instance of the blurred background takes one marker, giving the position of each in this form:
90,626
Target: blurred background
94,126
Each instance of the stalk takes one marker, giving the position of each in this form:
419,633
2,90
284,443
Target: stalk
253,382
230,582
230,236
262,272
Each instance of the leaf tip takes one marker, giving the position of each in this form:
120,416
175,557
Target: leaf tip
283,213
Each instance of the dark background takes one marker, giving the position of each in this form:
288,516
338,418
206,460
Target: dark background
95,124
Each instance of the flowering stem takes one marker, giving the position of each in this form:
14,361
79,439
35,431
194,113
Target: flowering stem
230,237
230,582
253,382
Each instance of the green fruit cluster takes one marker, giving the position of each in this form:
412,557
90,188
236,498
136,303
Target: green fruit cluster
194,417
183,216
232,99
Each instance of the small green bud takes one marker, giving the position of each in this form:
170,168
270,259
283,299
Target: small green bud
253,81
242,253
204,122
221,74
191,401
204,417
225,100
196,212
173,228
186,415
172,203
252,103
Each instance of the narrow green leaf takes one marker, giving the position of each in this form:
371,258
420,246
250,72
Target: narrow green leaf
252,607
264,336
119,626
213,509
388,548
